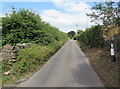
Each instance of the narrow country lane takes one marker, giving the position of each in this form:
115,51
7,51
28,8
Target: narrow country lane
67,68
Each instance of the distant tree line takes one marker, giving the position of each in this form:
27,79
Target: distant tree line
71,34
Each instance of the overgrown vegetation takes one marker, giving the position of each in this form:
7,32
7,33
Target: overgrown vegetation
100,60
0,73
0,33
25,26
92,37
29,60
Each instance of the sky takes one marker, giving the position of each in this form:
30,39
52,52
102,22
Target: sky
67,15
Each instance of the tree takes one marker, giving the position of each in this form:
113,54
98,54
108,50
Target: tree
106,12
71,34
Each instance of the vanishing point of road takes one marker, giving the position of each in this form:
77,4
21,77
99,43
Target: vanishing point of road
67,68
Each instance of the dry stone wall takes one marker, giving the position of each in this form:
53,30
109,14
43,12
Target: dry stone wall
10,52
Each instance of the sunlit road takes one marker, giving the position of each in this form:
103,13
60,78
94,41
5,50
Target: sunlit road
67,68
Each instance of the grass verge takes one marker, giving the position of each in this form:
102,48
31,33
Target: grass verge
28,62
0,73
100,60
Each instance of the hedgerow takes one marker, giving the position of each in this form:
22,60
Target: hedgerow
25,26
92,37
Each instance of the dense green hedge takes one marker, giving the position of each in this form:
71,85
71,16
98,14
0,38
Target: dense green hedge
25,26
92,37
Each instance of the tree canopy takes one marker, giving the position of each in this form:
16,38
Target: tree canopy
106,12
71,34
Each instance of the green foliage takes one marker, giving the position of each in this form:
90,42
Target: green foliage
0,33
79,31
71,34
34,52
29,60
76,37
25,26
106,12
0,73
92,37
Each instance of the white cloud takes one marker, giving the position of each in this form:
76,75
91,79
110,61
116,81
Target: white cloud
27,0
74,14
55,0
73,6
65,21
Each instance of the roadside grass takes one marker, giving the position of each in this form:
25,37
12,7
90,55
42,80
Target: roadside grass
100,60
0,42
28,62
0,73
